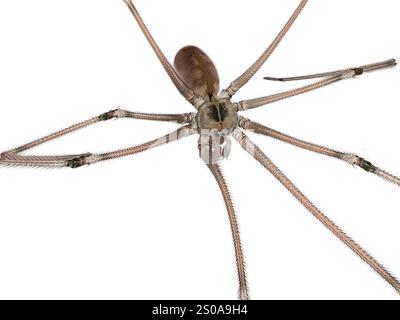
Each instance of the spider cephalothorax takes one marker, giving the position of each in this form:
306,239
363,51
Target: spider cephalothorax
216,121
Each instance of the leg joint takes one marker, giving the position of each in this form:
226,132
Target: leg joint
358,161
366,165
8,154
79,161
117,113
358,71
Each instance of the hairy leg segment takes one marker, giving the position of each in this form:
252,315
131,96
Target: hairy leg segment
14,158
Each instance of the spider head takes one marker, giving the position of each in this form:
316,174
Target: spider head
217,115
215,122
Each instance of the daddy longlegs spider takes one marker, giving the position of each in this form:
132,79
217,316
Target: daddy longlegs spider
216,120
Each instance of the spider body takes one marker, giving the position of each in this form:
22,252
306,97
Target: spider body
217,117
216,121
198,71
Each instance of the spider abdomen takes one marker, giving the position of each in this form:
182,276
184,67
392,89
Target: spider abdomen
198,71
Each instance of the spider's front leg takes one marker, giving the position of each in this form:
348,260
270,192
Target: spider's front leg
243,288
13,158
262,158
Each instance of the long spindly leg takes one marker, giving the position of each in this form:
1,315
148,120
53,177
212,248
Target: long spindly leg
249,73
182,87
75,161
347,157
363,69
243,289
112,114
332,78
256,152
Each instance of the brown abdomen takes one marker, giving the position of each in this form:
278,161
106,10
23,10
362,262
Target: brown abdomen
198,71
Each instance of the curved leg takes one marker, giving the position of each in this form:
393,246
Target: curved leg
249,73
256,152
360,70
182,87
258,102
243,289
347,157
112,114
333,77
75,161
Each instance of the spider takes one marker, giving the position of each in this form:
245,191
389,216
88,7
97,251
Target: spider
217,120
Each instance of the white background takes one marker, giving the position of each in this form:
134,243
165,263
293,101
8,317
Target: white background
154,225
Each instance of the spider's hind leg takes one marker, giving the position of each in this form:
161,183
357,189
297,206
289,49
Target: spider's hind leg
249,73
179,83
